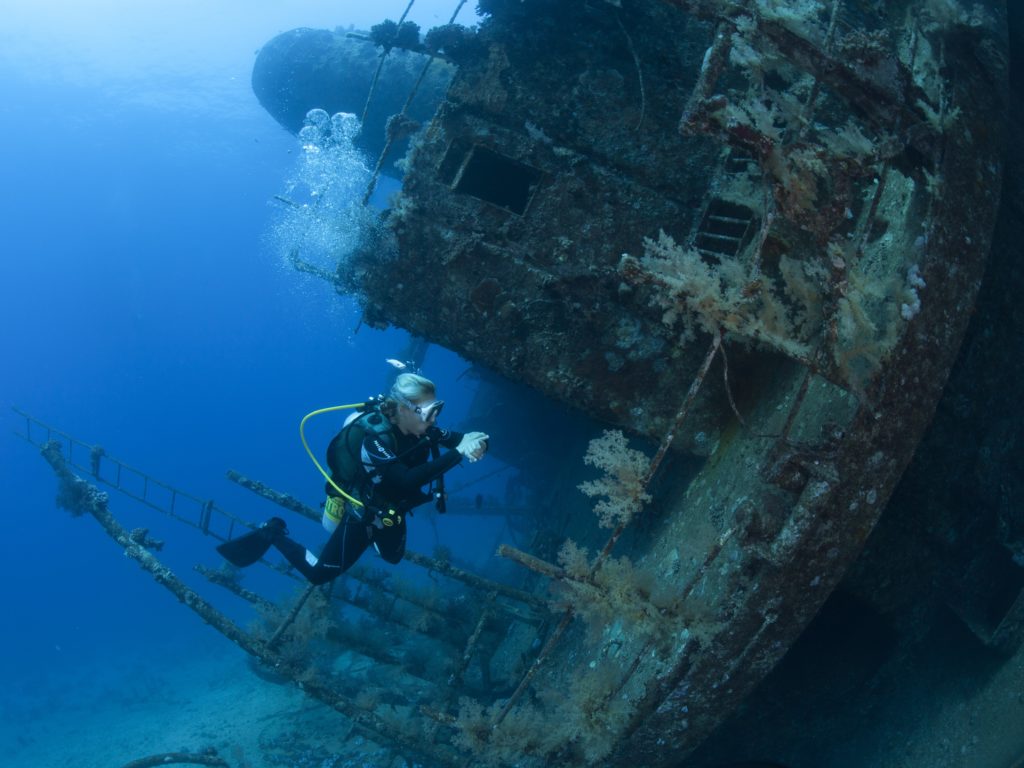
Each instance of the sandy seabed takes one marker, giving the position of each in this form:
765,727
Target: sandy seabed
190,700
106,718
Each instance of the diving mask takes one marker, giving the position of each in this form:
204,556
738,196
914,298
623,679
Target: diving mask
428,412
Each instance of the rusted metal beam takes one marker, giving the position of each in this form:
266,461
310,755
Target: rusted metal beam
467,655
82,498
284,500
471,579
549,646
223,579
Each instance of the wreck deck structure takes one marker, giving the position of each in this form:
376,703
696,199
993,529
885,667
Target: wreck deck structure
618,194
751,233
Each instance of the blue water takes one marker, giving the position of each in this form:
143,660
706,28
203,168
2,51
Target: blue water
145,305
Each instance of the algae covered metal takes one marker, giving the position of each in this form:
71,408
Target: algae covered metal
607,190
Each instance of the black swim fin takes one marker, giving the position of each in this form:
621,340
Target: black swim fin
250,547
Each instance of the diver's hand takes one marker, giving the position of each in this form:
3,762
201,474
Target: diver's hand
473,445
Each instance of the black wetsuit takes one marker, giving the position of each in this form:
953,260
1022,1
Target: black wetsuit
399,466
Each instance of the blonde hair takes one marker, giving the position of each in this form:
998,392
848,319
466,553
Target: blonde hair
412,386
408,388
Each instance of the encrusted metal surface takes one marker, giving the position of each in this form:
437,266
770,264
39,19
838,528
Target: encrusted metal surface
610,188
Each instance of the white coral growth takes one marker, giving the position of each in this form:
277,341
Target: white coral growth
912,305
624,480
722,297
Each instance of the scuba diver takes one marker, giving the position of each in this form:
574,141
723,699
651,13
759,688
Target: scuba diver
380,462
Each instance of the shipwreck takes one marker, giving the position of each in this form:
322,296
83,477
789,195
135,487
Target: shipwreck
747,239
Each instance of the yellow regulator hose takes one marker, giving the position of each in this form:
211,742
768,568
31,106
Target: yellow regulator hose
302,434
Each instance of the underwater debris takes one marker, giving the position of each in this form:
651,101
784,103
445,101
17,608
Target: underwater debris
420,643
318,685
95,503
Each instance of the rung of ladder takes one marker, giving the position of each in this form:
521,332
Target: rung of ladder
120,479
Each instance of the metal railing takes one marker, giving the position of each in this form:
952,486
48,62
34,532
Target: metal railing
94,461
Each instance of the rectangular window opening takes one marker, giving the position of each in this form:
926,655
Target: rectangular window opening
497,179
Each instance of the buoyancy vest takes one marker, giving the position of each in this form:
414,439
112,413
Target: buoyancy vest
344,454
